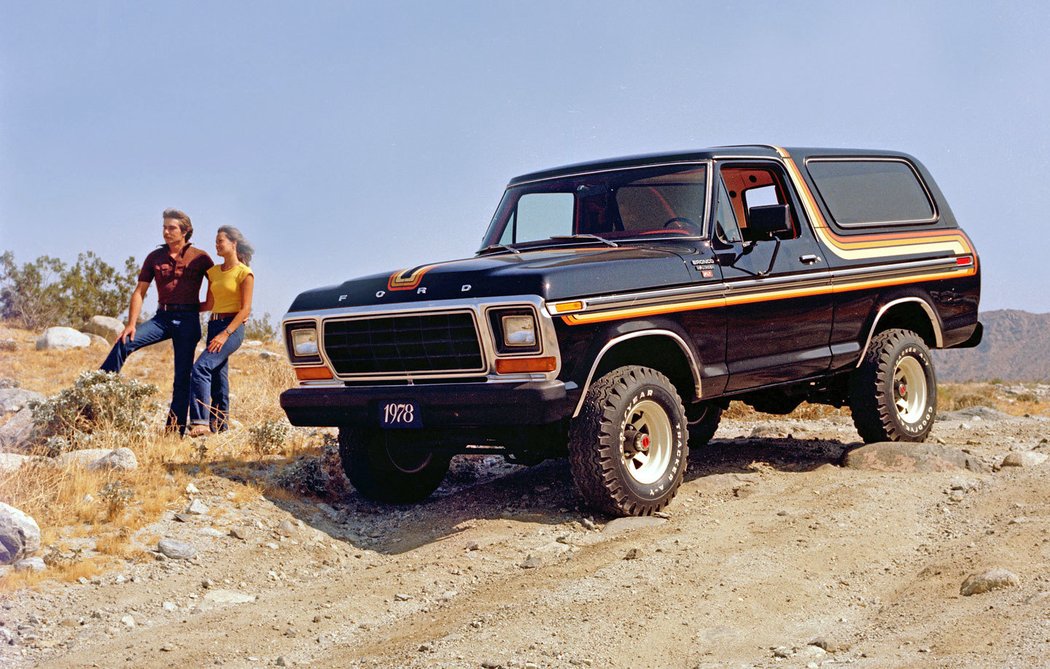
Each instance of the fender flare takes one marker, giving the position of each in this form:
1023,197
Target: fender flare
935,323
694,366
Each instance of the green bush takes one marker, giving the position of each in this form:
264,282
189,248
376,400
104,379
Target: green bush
260,328
47,292
97,401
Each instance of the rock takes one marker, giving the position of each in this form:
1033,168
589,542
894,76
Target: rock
176,550
588,524
401,597
974,413
8,345
83,457
1024,459
239,533
122,459
909,457
630,523
128,621
17,432
993,579
531,562
107,327
286,529
191,489
633,554
19,534
61,338
212,532
169,606
220,597
197,508
98,342
30,564
12,462
16,399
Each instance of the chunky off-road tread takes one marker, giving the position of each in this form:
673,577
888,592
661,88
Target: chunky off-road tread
871,392
594,447
702,430
370,470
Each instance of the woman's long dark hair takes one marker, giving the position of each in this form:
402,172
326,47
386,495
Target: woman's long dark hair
245,251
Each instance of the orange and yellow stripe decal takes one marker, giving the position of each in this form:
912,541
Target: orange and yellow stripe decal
408,279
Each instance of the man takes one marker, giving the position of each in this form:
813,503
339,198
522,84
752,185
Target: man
178,269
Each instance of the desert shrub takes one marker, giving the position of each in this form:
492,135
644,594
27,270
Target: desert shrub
48,292
97,401
268,437
116,495
260,328
318,475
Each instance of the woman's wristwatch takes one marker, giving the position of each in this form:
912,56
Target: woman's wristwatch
228,333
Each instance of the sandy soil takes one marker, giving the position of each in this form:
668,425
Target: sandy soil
772,555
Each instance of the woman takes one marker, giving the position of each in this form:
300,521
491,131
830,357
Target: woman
229,300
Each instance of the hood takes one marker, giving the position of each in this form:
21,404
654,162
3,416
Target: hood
552,274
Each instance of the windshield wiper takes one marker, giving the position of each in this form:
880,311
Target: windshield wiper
584,237
491,248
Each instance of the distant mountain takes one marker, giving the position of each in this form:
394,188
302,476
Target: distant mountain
1016,347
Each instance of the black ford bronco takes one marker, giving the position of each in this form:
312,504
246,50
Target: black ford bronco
616,307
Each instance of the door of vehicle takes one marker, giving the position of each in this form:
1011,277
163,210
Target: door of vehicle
778,301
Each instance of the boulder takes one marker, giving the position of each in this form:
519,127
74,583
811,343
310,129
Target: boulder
176,550
121,459
891,456
12,462
100,458
16,399
107,327
19,535
1024,459
993,579
18,431
62,338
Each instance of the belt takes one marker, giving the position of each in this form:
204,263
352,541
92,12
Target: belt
215,316
179,307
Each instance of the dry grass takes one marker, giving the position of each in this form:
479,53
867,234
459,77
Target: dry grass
109,506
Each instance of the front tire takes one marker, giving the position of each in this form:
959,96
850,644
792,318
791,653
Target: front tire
893,393
392,466
628,448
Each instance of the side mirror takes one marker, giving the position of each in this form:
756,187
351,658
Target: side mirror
767,222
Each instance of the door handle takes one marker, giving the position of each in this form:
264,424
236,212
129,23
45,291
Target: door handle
809,258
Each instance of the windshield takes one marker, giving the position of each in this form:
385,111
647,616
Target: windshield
668,200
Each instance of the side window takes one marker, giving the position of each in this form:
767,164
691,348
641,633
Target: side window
870,192
757,185
726,227
540,216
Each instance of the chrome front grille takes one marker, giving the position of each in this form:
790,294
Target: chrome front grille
404,344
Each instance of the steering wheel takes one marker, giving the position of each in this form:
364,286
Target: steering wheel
680,222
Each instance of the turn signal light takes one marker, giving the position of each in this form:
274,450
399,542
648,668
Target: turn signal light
964,261
568,306
519,365
312,373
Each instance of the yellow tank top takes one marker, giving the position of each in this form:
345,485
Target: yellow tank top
225,287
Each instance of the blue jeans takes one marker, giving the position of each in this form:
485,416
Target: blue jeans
183,328
210,402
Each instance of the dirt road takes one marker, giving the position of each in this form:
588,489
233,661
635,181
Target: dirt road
772,555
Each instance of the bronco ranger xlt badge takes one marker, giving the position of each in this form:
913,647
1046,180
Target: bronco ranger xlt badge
616,307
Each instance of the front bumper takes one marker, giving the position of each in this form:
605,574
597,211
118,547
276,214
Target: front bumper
444,405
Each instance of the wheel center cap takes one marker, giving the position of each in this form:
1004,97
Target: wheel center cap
902,389
642,443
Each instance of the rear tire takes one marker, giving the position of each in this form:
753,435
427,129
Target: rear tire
893,393
392,466
628,448
704,418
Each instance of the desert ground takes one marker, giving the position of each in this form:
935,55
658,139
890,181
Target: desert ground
777,552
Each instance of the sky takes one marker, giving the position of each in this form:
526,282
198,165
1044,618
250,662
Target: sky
350,138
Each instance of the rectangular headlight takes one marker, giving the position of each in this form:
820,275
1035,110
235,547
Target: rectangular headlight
304,342
515,330
519,331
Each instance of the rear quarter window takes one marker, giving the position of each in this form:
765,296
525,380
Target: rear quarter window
864,193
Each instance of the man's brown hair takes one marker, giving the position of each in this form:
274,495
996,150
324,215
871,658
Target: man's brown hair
182,219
